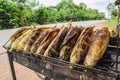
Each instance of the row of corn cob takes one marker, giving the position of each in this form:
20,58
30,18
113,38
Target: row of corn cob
74,44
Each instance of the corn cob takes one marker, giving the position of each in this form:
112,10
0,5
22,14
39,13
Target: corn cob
97,47
80,49
39,40
33,38
69,42
47,40
15,43
54,46
23,42
17,34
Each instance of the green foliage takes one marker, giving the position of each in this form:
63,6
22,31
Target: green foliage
111,23
9,16
112,10
13,14
65,4
42,15
67,10
17,13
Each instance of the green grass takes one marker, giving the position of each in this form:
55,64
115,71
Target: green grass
111,23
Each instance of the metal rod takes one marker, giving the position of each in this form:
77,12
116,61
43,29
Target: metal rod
11,66
118,28
118,15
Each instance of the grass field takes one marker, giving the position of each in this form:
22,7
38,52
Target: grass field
111,23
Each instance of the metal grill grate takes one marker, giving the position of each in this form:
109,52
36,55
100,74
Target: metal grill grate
108,68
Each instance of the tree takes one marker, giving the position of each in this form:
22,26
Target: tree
13,14
82,6
20,1
17,13
117,2
28,3
65,4
42,15
111,8
9,14
114,12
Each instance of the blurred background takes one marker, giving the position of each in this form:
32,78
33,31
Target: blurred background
18,13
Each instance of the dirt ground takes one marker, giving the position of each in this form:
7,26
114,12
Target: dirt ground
22,72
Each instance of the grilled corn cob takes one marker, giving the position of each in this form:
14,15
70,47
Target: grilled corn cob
97,47
47,40
38,41
54,46
15,43
79,51
17,34
23,42
33,38
69,42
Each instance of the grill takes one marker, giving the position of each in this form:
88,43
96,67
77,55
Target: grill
108,68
